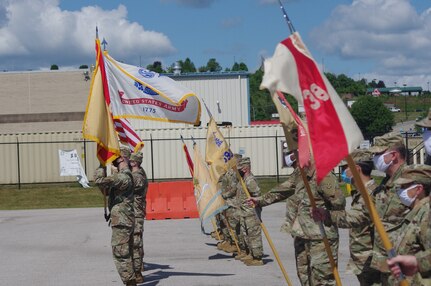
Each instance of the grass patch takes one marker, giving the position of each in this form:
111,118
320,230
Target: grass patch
49,196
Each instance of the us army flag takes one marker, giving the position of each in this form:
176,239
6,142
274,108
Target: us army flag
332,130
218,154
208,199
136,92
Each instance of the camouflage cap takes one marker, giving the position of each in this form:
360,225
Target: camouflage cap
237,156
359,156
420,174
137,157
426,122
243,162
384,142
125,152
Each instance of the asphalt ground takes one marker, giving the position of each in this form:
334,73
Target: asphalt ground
72,247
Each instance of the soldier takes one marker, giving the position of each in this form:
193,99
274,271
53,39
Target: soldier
389,157
120,191
141,186
312,262
413,233
228,183
426,124
249,217
357,219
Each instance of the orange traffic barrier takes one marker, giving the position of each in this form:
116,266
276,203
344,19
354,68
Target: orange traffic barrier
171,200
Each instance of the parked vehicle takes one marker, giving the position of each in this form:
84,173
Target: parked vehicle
395,109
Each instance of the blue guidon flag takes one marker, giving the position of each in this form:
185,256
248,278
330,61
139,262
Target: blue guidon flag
138,93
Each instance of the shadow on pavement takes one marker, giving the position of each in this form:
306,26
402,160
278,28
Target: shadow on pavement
155,277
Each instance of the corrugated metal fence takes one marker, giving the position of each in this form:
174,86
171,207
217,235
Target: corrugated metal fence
33,158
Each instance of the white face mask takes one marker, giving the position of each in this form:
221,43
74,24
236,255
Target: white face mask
404,196
288,160
427,141
379,162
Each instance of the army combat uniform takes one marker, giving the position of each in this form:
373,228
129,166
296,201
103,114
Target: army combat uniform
312,262
120,186
140,191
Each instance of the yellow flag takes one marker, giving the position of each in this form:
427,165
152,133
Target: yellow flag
98,124
218,154
208,199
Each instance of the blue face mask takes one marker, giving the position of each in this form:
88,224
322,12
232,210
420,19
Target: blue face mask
346,178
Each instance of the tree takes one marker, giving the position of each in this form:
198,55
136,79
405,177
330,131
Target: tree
239,67
54,67
213,65
187,66
156,67
372,116
81,67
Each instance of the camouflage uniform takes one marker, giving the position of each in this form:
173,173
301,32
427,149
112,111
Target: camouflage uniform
120,186
251,230
424,259
388,205
228,186
140,192
361,232
312,262
412,234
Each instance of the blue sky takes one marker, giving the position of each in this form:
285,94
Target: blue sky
382,39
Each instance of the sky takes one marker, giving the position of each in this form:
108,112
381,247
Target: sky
387,40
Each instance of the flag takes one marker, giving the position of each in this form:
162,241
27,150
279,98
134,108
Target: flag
138,93
291,120
127,134
218,154
208,200
98,124
188,158
332,130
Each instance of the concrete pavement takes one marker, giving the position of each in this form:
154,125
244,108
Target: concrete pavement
72,247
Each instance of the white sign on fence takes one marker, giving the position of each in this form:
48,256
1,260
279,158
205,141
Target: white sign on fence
70,165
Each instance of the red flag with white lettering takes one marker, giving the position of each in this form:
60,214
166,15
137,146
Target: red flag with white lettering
333,132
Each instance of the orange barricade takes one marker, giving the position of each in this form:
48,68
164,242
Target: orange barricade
171,200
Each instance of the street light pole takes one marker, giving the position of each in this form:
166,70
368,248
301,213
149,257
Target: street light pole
405,100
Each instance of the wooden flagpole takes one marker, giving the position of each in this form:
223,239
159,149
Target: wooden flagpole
373,214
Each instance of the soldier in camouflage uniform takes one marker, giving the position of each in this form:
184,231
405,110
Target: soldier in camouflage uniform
251,230
312,262
358,220
228,183
411,264
413,232
120,191
140,192
389,157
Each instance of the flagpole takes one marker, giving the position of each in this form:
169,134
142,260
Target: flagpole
286,17
265,231
373,214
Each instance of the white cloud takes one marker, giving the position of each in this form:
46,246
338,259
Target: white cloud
391,33
37,33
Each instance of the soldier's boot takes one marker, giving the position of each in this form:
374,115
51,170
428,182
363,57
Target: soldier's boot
139,278
254,262
247,257
230,248
131,283
221,244
214,234
241,255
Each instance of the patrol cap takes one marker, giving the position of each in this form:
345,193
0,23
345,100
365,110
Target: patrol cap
420,174
384,142
237,156
243,162
137,157
426,122
360,156
125,152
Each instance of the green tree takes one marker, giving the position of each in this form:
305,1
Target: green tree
156,67
54,67
372,116
187,66
239,67
81,67
213,65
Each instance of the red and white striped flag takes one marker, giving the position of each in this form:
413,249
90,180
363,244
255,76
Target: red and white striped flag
128,135
333,132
